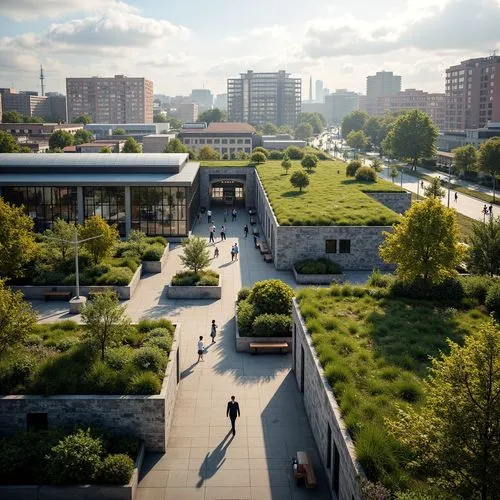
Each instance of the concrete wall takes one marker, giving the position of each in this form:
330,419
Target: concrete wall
323,412
147,417
317,279
194,292
155,266
267,219
397,202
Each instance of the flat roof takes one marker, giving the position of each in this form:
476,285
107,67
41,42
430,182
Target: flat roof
222,128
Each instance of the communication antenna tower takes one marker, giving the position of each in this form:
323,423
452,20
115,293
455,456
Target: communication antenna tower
42,78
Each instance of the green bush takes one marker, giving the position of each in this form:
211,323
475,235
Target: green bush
153,252
118,276
294,153
116,469
128,261
126,444
493,299
144,383
366,174
76,458
146,325
206,277
352,168
243,294
272,325
317,266
275,155
476,286
246,316
208,280
149,358
118,357
101,378
163,343
380,280
271,296
158,332
450,290
158,239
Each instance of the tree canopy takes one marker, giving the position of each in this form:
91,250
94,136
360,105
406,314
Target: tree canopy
60,139
268,129
489,159
105,149
84,119
195,254
316,120
299,179
175,146
484,247
61,235
353,121
132,146
357,139
119,131
208,153
98,247
303,131
213,115
258,157
309,162
12,117
465,158
434,189
83,136
7,143
159,118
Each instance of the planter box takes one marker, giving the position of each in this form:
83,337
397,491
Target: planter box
77,492
37,292
155,266
147,417
194,292
317,279
243,343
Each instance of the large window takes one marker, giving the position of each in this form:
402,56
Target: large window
44,204
108,202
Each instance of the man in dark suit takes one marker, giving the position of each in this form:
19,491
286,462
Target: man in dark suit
233,411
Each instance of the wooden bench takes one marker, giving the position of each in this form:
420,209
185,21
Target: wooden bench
305,469
57,295
268,257
268,346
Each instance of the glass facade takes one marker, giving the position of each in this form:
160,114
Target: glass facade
108,202
44,204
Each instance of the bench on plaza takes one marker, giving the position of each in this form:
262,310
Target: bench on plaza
268,346
54,295
268,258
305,469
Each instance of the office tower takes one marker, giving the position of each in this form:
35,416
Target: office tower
204,98
221,102
340,103
320,95
259,98
111,100
382,84
473,93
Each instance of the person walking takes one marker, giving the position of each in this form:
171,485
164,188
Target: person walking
422,184
490,209
232,252
456,197
213,331
201,348
236,251
255,240
233,411
245,229
211,240
222,233
233,214
216,253
209,216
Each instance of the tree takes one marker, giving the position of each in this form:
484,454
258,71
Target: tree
17,318
60,139
484,247
375,130
489,159
425,244
394,173
285,129
213,115
269,129
465,158
412,137
309,162
17,240
352,167
454,437
353,121
174,122
84,119
357,140
286,163
434,189
159,118
105,149
258,157
102,246
105,321
316,120
303,131
7,143
299,180
61,235
119,131
12,117
25,149
195,254
175,146
83,136
208,153
260,149
132,146
377,165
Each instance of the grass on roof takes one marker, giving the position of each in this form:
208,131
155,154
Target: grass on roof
330,199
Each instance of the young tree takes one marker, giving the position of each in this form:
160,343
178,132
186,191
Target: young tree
299,180
105,321
98,247
175,123
260,149
7,143
208,153
454,438
286,163
258,157
303,131
119,131
85,119
17,240
434,189
375,130
309,162
489,159
425,244
195,254
175,146
377,165
17,318
132,146
357,140
83,136
394,173
353,121
412,137
352,167
241,155
60,139
465,158
12,117
61,235
484,247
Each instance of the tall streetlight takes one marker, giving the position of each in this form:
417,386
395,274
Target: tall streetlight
449,182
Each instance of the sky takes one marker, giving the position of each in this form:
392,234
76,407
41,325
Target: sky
187,44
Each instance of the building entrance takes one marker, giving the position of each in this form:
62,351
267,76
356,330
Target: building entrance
227,192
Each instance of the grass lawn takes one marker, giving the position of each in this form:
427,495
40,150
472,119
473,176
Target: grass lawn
330,199
375,352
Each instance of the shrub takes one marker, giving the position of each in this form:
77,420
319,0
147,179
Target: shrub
149,358
243,293
118,357
158,332
116,469
118,276
208,280
380,280
163,343
200,278
76,458
271,296
448,290
131,262
294,153
153,252
275,155
272,325
144,383
101,378
476,287
145,325
246,315
493,299
260,149
258,157
317,266
366,174
352,168
129,445
159,239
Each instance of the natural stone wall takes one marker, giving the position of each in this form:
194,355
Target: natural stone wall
268,221
323,412
317,279
147,417
397,202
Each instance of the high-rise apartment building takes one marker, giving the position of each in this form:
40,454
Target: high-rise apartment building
259,98
30,104
204,98
340,103
320,93
473,93
221,102
111,100
382,84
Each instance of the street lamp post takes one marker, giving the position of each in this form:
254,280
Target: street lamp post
449,182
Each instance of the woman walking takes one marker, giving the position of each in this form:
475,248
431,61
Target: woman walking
213,331
201,347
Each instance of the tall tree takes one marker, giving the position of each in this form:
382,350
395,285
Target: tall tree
412,137
299,179
132,146
208,153
17,240
465,158
7,143
316,120
195,254
374,130
434,189
484,247
12,117
357,140
454,437
84,119
353,121
61,235
107,237
175,146
83,136
60,139
213,115
425,244
489,159
303,131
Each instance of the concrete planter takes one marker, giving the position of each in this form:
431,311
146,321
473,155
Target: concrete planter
194,292
147,417
77,492
243,343
37,292
156,266
317,279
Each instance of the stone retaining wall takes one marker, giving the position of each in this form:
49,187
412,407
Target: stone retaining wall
146,417
317,279
397,202
323,413
155,266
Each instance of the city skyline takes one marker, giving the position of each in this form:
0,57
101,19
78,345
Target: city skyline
187,45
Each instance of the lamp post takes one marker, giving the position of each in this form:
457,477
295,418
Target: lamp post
449,182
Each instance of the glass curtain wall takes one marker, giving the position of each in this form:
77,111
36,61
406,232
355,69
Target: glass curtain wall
108,202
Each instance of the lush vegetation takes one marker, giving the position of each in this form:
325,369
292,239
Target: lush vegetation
330,198
205,277
59,456
317,266
264,310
